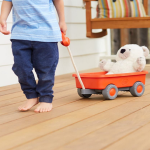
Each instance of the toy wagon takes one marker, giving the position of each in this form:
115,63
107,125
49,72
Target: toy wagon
109,85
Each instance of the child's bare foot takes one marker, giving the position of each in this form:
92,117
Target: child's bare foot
44,107
28,104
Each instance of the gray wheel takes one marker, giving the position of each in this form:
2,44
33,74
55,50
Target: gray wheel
137,89
83,95
110,92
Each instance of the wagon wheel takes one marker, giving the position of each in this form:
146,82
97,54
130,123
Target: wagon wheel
110,92
137,89
83,95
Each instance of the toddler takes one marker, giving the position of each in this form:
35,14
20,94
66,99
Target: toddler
34,36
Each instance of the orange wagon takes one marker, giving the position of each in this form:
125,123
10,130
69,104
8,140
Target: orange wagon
109,85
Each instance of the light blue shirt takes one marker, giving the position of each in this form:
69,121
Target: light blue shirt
35,20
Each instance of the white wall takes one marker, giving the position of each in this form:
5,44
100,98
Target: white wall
86,51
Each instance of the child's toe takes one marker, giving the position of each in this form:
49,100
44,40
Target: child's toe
21,108
41,110
24,109
44,110
49,109
37,109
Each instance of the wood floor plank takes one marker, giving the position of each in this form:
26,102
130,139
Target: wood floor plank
91,122
10,96
64,83
12,101
10,91
9,87
103,137
64,88
14,114
40,117
60,122
141,140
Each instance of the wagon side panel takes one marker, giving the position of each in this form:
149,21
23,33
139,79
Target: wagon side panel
102,82
128,81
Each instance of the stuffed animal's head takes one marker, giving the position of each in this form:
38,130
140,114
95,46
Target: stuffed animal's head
131,52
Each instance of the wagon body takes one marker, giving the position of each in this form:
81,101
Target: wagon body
99,80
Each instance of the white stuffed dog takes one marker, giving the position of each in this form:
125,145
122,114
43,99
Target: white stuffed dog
130,58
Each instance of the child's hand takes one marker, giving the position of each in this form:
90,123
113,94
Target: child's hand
63,27
3,27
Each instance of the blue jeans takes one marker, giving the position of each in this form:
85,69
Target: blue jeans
43,57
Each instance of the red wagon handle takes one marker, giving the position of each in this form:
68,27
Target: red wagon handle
66,42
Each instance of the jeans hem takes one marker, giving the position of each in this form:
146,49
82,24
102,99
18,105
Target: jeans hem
31,95
46,99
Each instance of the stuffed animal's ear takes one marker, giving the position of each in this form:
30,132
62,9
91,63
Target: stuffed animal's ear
145,50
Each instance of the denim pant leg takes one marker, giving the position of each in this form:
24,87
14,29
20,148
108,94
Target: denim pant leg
45,60
22,67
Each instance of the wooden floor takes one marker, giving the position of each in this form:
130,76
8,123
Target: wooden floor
75,123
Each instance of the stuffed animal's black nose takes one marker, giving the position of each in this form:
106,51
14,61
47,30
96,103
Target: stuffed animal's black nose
122,51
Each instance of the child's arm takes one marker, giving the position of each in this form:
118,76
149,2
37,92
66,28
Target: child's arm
59,4
5,10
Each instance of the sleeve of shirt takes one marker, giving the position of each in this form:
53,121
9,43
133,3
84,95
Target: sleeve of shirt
8,0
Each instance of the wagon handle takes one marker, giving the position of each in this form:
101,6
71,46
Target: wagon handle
66,42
